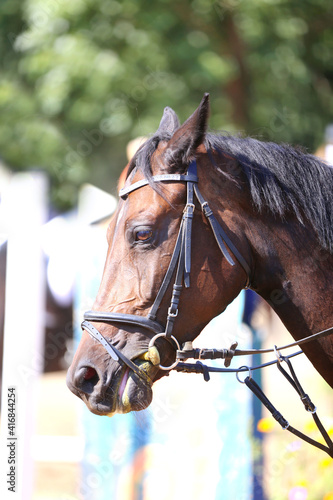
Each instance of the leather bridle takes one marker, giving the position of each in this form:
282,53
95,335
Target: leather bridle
180,263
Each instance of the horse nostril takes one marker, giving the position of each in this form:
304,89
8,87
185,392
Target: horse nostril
86,378
90,373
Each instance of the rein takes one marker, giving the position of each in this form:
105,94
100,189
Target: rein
228,354
180,265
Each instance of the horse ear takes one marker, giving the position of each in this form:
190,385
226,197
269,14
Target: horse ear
169,122
190,135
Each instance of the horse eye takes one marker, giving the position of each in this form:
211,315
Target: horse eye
143,234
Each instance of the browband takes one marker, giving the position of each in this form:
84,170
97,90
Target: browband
157,178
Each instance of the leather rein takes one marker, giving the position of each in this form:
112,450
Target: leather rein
180,265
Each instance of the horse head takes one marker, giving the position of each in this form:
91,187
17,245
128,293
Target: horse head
166,266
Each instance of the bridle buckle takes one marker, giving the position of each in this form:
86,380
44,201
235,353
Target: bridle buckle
187,207
172,314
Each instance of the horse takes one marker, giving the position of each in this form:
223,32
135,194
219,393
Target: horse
202,216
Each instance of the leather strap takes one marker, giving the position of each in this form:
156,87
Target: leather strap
310,338
184,262
113,351
94,333
157,178
182,255
131,319
197,367
188,219
222,237
167,277
215,226
309,406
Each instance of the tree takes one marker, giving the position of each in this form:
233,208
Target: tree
82,78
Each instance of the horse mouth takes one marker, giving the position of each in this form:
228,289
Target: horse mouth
134,393
127,391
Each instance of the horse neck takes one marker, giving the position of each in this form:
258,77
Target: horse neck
294,275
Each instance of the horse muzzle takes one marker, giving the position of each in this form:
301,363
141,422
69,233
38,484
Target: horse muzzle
123,384
105,394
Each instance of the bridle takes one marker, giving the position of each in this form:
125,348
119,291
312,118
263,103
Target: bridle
180,264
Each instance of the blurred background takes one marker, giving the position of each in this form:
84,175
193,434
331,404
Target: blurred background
79,81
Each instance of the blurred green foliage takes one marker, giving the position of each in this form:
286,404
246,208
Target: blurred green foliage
82,78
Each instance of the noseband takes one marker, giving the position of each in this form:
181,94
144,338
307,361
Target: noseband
180,262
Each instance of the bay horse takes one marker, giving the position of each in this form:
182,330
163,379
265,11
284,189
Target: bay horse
202,216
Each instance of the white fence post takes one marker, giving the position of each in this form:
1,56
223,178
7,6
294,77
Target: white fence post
23,212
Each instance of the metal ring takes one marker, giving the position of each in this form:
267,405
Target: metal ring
152,343
240,369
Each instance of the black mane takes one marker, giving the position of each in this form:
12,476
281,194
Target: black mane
282,179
